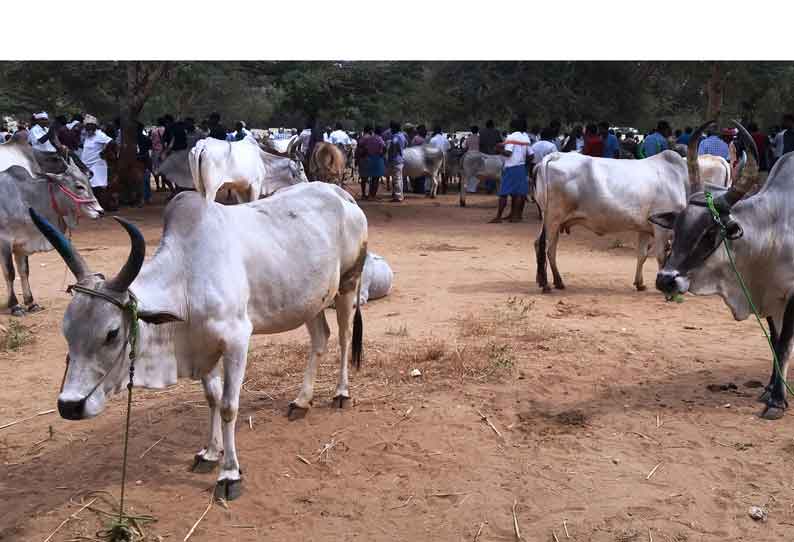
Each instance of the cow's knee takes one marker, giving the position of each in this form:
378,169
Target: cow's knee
228,411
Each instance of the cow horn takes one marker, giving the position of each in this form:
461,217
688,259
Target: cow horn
73,260
122,281
54,134
692,158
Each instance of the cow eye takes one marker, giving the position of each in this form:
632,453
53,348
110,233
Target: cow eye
80,188
112,334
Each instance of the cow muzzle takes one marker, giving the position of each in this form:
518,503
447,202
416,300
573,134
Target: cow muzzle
72,410
671,282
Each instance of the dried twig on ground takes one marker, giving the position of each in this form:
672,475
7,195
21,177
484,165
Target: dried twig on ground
403,505
193,528
515,521
67,520
149,449
484,418
479,531
15,422
653,471
565,526
555,536
303,459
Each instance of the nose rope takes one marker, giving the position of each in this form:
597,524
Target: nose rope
729,251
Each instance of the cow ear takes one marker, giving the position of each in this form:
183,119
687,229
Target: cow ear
158,317
664,220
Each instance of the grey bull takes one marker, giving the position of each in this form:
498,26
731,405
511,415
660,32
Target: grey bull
424,161
59,197
759,228
477,166
221,274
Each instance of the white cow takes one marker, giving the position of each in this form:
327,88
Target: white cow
221,274
242,166
714,170
282,171
606,196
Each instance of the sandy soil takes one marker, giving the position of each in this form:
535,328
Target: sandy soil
613,424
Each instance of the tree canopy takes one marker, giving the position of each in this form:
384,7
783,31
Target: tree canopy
454,94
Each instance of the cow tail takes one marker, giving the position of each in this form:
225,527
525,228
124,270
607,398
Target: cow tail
358,328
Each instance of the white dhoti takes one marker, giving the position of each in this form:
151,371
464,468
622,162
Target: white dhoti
100,171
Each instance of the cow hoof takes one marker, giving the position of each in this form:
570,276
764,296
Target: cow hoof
295,412
203,466
546,289
228,490
340,400
34,307
17,311
559,285
463,204
772,413
640,287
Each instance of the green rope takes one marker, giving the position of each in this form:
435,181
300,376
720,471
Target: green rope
728,250
121,530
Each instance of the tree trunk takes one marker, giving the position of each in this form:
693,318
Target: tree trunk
714,90
141,79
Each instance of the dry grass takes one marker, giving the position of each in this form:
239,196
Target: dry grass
16,336
401,331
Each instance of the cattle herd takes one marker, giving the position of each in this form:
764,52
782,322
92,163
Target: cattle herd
290,249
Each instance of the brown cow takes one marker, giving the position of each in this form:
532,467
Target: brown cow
327,163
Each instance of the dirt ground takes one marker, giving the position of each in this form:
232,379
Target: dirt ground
620,417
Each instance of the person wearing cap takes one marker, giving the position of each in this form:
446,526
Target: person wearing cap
713,144
39,135
95,142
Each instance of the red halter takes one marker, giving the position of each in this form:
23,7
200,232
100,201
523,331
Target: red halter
77,200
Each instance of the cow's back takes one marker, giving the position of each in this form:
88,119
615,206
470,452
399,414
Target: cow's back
17,192
260,258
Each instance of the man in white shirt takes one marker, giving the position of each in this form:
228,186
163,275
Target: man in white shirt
439,140
515,179
39,134
95,142
339,136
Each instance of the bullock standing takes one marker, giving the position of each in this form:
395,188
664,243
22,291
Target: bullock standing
759,228
249,171
59,197
260,268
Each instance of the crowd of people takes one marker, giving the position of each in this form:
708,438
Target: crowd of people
379,150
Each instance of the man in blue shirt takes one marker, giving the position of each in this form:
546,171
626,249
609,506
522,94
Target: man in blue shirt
657,141
611,143
714,144
684,138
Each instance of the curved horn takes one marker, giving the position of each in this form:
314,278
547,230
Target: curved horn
132,267
73,260
53,132
748,175
692,158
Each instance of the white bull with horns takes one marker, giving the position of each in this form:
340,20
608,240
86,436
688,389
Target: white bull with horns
220,275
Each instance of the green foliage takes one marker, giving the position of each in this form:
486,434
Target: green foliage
454,94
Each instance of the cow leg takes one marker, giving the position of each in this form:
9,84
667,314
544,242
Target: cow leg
776,404
774,336
7,263
23,267
345,310
553,232
319,333
462,193
229,484
643,240
207,459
